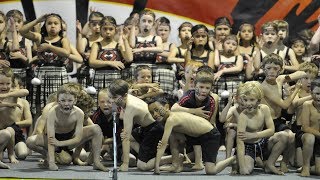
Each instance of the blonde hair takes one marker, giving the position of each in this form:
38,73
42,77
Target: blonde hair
194,63
309,67
250,88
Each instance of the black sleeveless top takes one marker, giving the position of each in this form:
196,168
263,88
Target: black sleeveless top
204,60
49,58
3,51
109,54
162,59
19,63
145,57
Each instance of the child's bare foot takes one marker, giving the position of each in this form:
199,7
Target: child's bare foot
13,159
234,169
270,168
284,167
305,172
197,167
4,166
172,168
52,166
100,166
77,161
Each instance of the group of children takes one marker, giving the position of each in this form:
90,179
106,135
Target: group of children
259,95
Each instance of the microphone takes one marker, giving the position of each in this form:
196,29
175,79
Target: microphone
114,115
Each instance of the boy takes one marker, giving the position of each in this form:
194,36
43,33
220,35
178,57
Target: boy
135,111
197,130
255,126
272,89
311,128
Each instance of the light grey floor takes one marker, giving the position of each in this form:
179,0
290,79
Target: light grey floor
30,169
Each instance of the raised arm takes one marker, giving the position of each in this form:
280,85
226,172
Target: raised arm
26,30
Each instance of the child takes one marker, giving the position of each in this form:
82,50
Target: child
255,126
164,73
143,86
298,45
229,65
146,45
290,61
222,30
107,56
53,50
84,45
4,42
200,50
200,102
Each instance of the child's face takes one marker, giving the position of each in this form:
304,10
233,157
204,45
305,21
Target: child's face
5,84
144,76
282,33
104,103
250,103
200,37
185,33
222,31
316,95
272,71
53,25
108,31
306,81
230,46
94,24
190,73
146,23
158,111
299,48
246,33
163,31
66,102
2,24
270,36
202,90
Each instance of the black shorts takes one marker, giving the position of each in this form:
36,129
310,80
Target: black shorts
316,147
18,134
280,125
258,149
63,137
210,143
298,138
148,137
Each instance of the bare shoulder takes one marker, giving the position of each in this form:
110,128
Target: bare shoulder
77,110
214,95
264,107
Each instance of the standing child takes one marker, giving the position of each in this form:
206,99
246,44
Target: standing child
298,45
4,42
221,31
53,50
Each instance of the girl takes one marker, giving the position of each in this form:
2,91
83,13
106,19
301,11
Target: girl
107,56
229,65
4,43
222,29
164,73
53,50
247,43
298,45
84,45
146,45
200,50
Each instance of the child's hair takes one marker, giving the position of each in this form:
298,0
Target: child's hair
253,41
147,12
222,21
309,67
85,102
231,37
205,68
204,77
185,24
139,68
315,83
52,98
163,21
193,63
295,39
306,34
3,33
44,32
118,87
250,88
65,89
272,58
71,88
108,20
15,14
128,21
282,24
269,25
17,78
95,14
163,99
6,71
195,29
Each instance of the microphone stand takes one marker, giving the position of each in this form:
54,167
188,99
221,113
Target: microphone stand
114,114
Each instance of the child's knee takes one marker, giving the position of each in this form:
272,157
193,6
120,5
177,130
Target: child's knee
308,139
142,166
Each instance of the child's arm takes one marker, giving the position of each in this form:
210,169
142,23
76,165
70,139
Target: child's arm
232,70
15,42
294,62
128,124
95,63
216,108
26,30
249,67
172,57
305,119
298,102
81,42
75,55
211,60
157,49
27,117
153,93
196,111
7,104
63,51
224,114
15,93
242,123
125,48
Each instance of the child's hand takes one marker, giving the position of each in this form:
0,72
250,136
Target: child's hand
137,50
217,75
53,141
92,9
43,17
12,26
16,55
123,135
153,85
78,26
117,64
4,63
43,47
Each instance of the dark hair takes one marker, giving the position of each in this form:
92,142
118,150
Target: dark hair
163,99
253,41
306,34
205,68
15,13
96,14
196,28
184,24
44,32
108,20
222,21
118,87
18,78
164,22
139,68
315,83
272,58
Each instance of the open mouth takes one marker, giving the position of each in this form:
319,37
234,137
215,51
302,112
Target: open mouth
145,30
67,108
